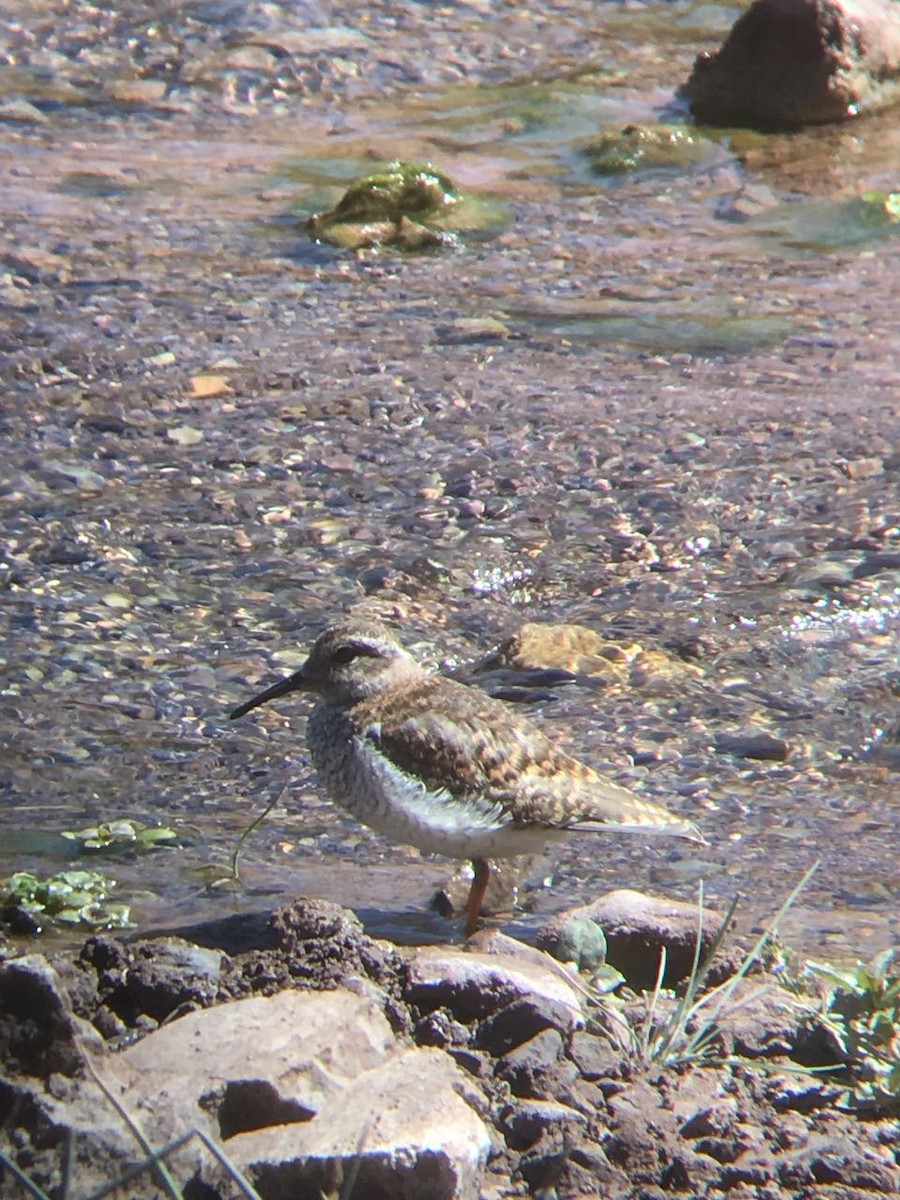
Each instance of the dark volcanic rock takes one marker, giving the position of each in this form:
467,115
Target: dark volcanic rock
323,946
39,1032
146,982
521,1020
536,1069
760,745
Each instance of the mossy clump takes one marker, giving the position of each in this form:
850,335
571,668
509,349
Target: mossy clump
403,204
638,147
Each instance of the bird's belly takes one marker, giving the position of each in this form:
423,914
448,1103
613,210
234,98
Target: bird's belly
362,780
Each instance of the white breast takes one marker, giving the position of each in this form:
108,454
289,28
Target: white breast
364,781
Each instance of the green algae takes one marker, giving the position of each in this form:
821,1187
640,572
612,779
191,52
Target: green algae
403,204
638,147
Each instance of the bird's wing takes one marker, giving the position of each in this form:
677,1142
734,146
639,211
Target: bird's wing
475,746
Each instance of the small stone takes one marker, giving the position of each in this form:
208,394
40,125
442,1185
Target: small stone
537,1069
151,92
711,1122
23,111
479,328
204,387
525,1122
165,358
86,479
117,600
185,435
863,468
749,201
594,1055
762,746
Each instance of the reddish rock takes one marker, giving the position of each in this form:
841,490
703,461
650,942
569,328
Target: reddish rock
788,63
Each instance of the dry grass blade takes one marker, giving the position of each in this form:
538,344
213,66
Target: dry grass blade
246,834
161,1171
678,1045
26,1181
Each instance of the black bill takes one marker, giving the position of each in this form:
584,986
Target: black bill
294,683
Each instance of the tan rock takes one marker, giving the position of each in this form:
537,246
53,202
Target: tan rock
406,1129
472,984
540,645
252,1062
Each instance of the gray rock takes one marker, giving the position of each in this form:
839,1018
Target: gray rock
406,1130
637,927
22,111
472,985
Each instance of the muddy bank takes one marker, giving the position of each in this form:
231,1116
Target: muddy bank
435,1073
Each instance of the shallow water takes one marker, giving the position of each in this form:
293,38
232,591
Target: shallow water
683,434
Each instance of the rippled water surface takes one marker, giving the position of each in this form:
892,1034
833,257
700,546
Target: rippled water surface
629,403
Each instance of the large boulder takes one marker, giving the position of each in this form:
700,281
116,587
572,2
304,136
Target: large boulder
406,1130
789,63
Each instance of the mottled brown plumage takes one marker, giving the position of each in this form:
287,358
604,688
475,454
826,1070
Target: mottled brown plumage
442,766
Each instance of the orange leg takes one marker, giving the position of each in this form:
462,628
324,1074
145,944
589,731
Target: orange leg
482,869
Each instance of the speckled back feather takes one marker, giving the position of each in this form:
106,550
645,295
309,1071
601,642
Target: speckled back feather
457,738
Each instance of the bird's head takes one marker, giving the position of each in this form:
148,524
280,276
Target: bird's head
347,663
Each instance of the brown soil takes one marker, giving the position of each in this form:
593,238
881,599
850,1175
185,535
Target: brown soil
757,1126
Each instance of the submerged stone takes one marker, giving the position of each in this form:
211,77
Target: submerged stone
396,206
638,147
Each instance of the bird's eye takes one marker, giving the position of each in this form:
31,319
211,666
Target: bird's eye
345,654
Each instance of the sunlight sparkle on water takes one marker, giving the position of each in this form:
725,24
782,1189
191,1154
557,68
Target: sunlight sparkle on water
832,622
